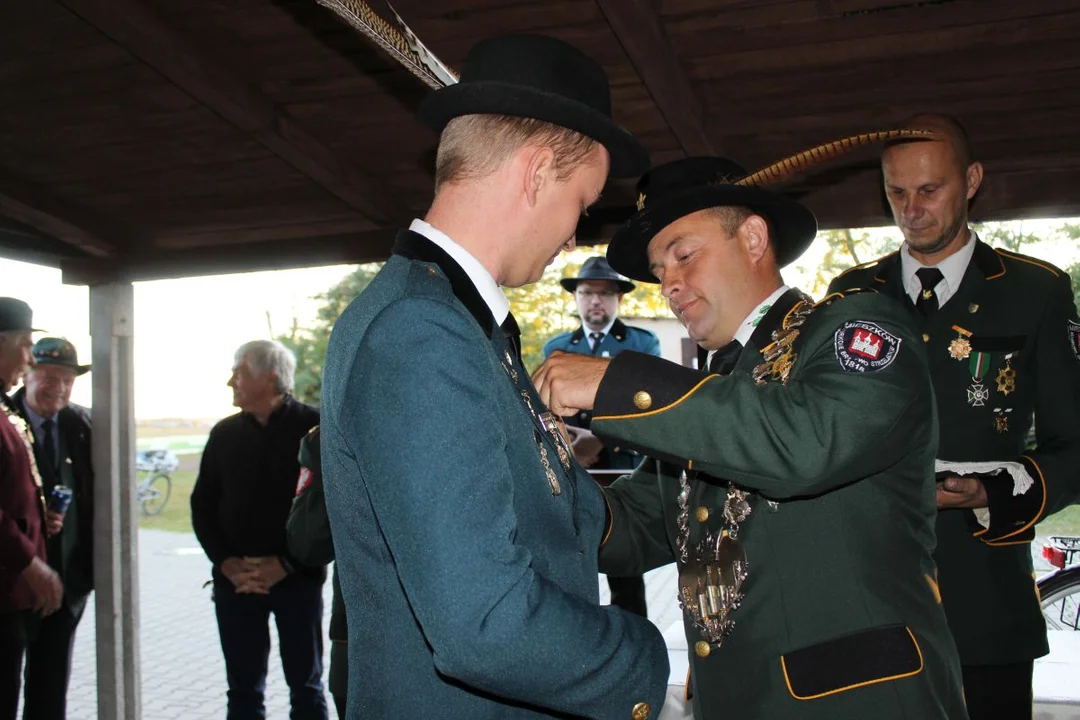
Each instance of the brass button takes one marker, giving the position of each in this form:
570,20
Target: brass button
925,338
642,400
702,649
701,514
641,711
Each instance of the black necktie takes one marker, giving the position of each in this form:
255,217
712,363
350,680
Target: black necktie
596,337
724,359
48,444
513,333
927,302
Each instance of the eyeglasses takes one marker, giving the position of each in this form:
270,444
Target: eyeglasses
601,294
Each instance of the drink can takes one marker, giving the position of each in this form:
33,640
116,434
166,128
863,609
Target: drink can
60,499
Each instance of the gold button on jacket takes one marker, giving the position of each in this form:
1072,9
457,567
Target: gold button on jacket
641,711
701,514
642,400
702,649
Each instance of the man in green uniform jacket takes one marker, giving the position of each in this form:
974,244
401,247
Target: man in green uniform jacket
1003,343
308,534
793,483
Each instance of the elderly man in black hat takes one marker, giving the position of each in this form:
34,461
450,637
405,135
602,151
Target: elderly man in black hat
794,482
27,584
62,451
465,533
598,291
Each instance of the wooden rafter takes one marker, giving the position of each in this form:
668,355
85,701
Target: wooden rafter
136,28
637,25
34,206
351,248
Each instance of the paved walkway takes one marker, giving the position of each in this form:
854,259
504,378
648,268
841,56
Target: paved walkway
183,675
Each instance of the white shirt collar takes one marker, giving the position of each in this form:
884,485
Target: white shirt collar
605,332
751,322
485,284
36,421
952,269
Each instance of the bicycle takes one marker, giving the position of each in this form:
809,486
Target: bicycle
154,489
1059,591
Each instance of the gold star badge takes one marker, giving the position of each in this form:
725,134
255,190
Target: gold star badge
959,348
1006,380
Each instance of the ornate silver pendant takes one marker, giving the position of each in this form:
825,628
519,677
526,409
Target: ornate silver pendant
710,585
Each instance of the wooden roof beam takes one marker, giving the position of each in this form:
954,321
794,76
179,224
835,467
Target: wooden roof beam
346,249
147,37
34,206
637,26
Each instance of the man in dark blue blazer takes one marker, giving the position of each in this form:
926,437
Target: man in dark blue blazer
598,292
465,534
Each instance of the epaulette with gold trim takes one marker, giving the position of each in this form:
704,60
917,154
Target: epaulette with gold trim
866,265
841,294
1009,255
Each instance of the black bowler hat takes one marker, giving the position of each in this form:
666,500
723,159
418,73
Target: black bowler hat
538,77
677,189
597,268
58,351
16,315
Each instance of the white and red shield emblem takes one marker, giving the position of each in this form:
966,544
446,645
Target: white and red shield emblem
863,346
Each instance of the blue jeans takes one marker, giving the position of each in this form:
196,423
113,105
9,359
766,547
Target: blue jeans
243,625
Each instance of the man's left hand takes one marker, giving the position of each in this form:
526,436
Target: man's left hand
961,492
567,382
54,522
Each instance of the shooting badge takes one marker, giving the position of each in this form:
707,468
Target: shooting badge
960,347
1006,377
978,393
1001,420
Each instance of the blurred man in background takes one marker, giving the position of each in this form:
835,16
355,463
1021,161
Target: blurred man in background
63,455
239,507
598,291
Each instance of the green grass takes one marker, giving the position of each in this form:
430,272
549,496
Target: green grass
1066,522
176,517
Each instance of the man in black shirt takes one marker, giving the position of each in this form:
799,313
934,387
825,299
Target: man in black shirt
239,507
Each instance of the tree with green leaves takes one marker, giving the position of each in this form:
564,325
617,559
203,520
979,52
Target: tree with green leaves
309,343
541,309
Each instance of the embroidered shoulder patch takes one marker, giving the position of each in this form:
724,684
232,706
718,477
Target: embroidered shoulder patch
863,346
304,480
1074,338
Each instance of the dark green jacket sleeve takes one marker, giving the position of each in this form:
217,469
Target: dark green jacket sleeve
308,527
636,538
827,427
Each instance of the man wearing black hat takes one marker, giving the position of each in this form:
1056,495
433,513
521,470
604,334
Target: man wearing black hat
793,482
27,584
598,290
465,533
62,452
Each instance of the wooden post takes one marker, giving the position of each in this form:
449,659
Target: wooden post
115,522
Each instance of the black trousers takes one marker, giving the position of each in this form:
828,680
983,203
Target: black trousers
243,626
999,692
48,665
629,594
12,648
